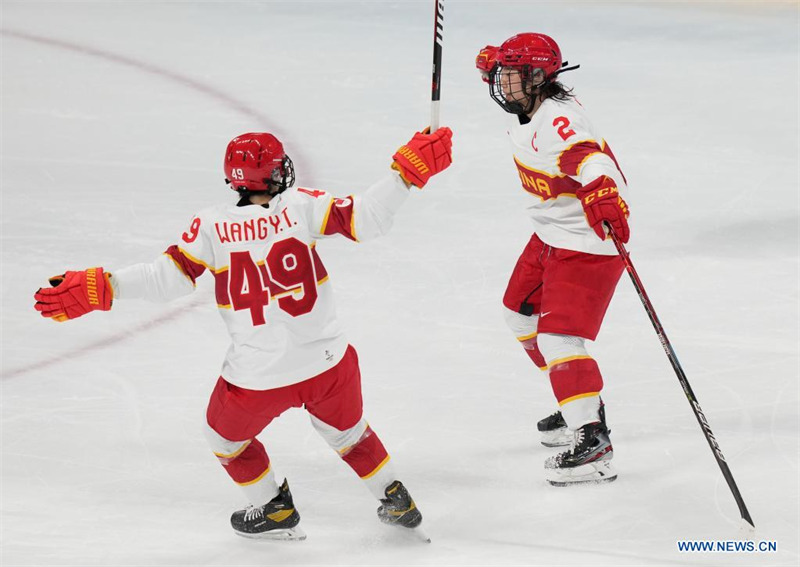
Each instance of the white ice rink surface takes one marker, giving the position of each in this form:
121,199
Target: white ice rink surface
115,116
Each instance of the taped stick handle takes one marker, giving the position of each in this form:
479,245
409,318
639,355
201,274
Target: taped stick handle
436,80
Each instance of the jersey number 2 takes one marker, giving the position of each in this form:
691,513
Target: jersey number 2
286,274
563,124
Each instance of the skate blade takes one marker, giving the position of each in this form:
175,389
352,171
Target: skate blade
598,472
417,533
557,438
290,534
421,534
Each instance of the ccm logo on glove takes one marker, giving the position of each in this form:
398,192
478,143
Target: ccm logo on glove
602,204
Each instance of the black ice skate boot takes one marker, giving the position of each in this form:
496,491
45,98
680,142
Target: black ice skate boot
277,519
398,509
588,460
553,430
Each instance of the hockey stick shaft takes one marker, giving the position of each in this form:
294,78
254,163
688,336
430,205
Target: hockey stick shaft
438,29
687,389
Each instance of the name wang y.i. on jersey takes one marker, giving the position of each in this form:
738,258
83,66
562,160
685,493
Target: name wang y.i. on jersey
557,152
271,286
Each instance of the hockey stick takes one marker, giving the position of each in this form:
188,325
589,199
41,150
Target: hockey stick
687,389
438,29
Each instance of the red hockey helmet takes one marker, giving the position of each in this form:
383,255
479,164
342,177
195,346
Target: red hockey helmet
519,62
536,50
256,162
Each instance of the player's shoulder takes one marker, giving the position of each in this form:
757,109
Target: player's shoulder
306,197
306,194
564,123
561,114
213,212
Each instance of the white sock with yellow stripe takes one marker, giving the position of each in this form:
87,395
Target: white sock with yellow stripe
262,489
381,478
580,411
574,376
360,448
247,463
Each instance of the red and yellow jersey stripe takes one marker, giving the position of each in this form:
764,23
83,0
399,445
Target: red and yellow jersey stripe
572,159
545,185
340,219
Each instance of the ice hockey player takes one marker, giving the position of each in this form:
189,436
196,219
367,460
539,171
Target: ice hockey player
288,349
562,284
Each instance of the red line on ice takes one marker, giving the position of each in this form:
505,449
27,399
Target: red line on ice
159,72
108,340
141,66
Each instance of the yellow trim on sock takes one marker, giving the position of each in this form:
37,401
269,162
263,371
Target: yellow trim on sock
379,467
578,397
526,337
235,453
569,359
262,475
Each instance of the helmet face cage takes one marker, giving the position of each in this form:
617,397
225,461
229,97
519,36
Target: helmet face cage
282,177
516,98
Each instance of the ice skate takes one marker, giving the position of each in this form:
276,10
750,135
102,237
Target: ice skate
399,509
553,430
277,519
587,461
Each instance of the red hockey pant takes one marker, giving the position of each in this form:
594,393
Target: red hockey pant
564,292
333,397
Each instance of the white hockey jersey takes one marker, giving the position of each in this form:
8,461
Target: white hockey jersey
271,287
557,152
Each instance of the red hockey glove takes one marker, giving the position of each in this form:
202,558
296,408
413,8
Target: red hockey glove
424,156
602,203
74,294
485,61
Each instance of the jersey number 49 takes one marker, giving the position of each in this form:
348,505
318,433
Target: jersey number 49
286,275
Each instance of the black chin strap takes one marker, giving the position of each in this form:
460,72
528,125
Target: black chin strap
564,69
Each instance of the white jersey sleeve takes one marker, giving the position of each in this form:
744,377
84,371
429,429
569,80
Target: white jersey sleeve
358,218
171,275
160,281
